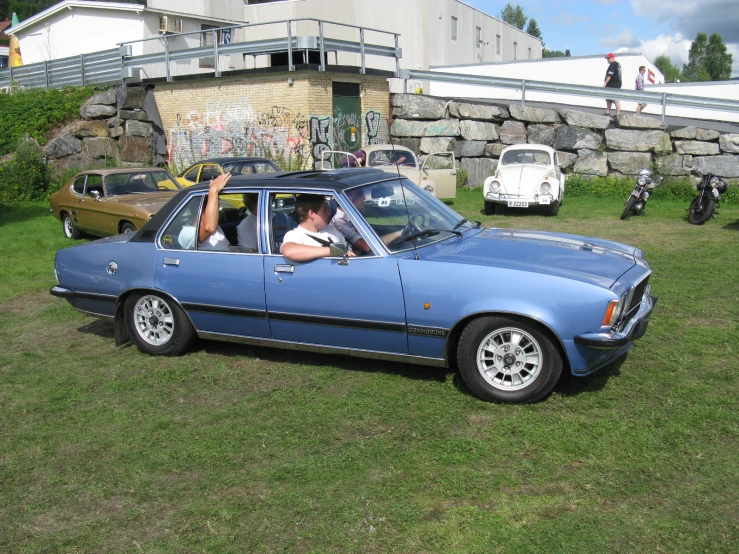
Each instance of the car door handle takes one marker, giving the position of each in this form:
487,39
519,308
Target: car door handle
171,261
284,268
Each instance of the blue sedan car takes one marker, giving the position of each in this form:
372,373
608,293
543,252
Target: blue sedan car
510,308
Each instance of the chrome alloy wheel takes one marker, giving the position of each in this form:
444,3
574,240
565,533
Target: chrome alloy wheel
509,359
154,320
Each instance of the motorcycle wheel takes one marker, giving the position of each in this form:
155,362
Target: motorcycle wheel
700,212
628,207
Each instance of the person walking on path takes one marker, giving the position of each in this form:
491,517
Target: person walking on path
640,86
613,80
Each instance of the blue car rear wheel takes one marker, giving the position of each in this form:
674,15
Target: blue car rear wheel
157,325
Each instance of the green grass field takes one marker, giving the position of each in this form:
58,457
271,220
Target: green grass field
231,449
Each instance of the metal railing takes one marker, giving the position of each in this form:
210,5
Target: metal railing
664,99
120,64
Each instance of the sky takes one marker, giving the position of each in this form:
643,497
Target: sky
649,27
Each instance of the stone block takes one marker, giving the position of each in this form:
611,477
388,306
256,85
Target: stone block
469,148
133,98
96,111
729,143
418,106
135,149
439,128
107,98
726,166
587,120
465,110
138,128
697,148
694,133
96,147
412,143
139,115
478,130
629,163
638,122
494,150
673,164
437,144
534,115
478,169
591,162
116,132
63,145
638,141
541,134
94,128
114,122
577,138
566,159
513,132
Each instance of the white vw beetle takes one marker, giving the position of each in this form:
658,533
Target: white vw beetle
527,175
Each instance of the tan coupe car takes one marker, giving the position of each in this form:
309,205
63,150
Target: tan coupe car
107,202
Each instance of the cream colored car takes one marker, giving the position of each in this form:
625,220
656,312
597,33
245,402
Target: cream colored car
435,173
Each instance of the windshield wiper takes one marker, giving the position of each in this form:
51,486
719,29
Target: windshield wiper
463,221
429,233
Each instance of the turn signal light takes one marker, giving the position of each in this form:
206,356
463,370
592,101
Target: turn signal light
611,314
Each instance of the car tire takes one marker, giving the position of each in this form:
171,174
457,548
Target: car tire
70,231
489,208
507,360
128,228
554,208
157,325
499,209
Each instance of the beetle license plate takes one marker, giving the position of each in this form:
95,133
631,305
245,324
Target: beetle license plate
518,204
544,200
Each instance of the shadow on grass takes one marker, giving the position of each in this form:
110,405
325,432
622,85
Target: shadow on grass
732,226
569,385
17,214
102,328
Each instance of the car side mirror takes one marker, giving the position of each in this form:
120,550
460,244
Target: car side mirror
95,195
339,250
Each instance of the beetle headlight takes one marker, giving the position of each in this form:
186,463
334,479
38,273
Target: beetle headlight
495,186
428,188
545,188
715,181
642,180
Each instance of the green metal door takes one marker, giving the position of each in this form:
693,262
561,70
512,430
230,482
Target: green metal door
347,117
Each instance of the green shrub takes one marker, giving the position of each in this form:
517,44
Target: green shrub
25,176
36,112
462,178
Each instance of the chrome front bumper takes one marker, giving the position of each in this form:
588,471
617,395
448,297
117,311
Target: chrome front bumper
634,329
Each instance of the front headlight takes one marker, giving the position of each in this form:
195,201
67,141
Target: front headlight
545,188
642,180
715,181
428,188
495,186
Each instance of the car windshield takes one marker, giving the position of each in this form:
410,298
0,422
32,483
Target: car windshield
137,182
250,167
388,207
526,157
380,158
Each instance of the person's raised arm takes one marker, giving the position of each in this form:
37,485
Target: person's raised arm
209,220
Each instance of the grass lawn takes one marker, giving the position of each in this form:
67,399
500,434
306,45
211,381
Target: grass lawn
231,449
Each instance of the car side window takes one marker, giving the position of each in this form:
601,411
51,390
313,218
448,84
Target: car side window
192,175
284,218
78,187
94,184
209,172
181,233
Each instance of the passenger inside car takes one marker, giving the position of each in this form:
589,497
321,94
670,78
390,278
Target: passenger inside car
209,234
247,229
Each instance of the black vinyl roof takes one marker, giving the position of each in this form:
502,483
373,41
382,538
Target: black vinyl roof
302,181
232,159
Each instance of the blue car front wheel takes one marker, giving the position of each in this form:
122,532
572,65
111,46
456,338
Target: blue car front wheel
507,360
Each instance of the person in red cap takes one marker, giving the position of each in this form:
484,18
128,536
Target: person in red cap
613,80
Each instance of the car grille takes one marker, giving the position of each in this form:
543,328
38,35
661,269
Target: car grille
636,298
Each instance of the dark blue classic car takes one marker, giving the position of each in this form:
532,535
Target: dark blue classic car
509,308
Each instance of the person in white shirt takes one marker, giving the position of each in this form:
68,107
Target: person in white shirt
210,235
247,229
314,238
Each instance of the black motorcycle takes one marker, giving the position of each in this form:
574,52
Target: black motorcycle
703,206
643,188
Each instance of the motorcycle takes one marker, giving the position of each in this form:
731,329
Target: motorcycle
703,206
637,200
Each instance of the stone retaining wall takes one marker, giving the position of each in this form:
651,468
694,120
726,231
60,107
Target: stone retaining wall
114,125
587,144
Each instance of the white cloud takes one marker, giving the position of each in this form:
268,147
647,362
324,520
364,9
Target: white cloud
624,41
690,17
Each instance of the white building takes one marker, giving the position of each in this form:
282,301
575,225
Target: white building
4,55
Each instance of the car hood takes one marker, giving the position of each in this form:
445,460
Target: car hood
150,201
512,176
410,172
596,261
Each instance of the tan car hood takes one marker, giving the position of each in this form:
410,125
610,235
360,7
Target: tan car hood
151,201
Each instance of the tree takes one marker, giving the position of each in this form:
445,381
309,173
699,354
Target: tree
514,16
554,54
708,59
668,69
533,28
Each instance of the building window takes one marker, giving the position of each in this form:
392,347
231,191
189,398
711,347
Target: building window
478,36
515,50
206,40
454,28
497,44
529,53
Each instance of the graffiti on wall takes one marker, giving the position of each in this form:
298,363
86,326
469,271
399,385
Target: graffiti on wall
279,134
372,121
320,136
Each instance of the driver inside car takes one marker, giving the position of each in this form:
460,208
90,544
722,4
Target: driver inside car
346,227
314,237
